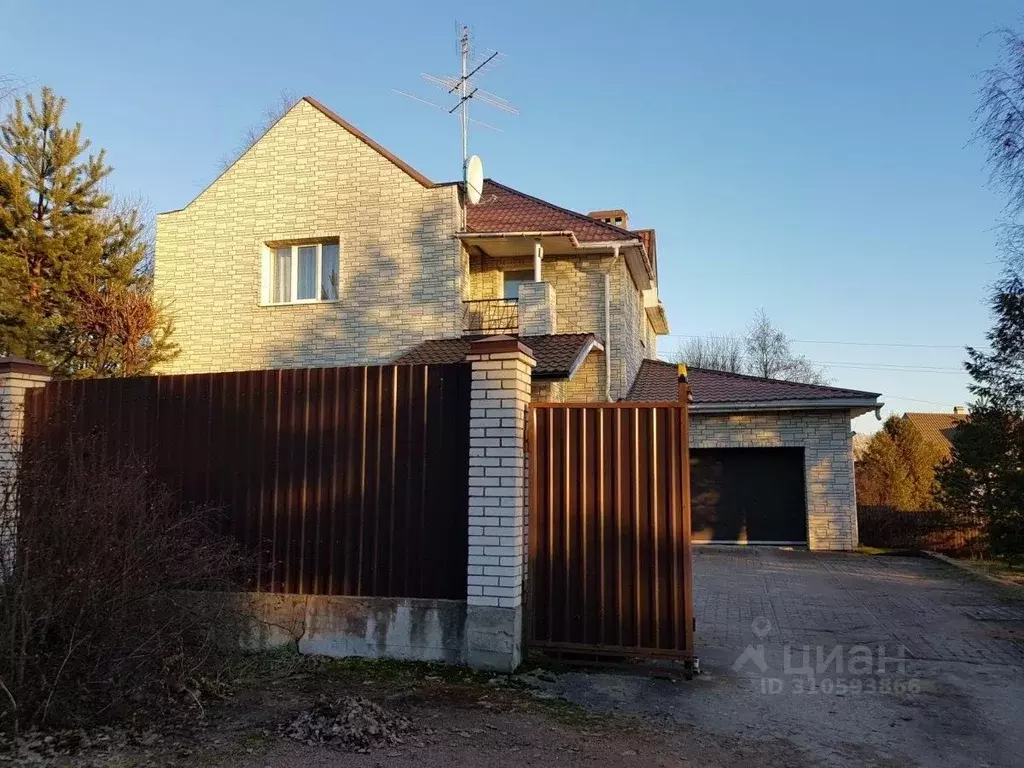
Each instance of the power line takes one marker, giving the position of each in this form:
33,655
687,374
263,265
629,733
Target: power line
843,343
916,400
892,367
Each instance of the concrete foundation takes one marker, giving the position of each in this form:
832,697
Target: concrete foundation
494,637
367,627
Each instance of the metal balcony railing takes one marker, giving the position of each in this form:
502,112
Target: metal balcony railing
490,316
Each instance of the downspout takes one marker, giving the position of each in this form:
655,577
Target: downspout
608,325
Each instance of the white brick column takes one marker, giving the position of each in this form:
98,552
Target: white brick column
537,309
16,376
495,572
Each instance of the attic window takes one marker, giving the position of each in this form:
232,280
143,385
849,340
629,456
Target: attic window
303,273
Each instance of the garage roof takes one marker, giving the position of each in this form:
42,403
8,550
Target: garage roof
657,381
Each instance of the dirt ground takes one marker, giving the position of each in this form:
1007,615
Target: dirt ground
457,719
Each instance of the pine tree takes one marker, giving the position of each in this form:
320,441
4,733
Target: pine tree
898,468
986,472
75,295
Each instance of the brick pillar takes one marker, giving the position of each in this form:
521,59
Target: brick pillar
536,309
16,376
495,572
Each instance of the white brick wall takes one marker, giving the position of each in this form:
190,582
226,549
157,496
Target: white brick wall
497,475
402,271
828,462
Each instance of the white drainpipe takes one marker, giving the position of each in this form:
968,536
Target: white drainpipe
608,326
538,256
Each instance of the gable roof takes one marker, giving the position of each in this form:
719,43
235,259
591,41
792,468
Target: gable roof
657,381
336,118
936,428
558,355
503,209
369,142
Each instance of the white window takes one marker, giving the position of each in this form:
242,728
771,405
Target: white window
301,274
511,281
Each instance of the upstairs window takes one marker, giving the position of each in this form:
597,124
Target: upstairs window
302,273
512,280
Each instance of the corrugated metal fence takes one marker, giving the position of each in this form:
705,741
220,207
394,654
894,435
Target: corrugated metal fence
610,529
347,481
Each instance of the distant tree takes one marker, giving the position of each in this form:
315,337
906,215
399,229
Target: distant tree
898,468
986,472
285,101
770,354
716,353
1000,118
75,294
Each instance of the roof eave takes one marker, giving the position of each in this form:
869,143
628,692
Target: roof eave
861,405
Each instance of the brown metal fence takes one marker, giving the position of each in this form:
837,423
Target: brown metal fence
347,481
609,532
936,530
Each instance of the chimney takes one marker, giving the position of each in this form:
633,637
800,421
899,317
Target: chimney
959,410
617,216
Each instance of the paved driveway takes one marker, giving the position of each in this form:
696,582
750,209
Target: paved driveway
911,662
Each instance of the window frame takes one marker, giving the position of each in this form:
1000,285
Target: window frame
270,250
513,272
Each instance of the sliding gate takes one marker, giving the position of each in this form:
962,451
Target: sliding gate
609,530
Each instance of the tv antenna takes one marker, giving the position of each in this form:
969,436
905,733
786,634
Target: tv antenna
464,87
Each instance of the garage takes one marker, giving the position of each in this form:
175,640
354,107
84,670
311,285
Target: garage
772,461
748,495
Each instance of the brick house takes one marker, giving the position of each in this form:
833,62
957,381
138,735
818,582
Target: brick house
318,247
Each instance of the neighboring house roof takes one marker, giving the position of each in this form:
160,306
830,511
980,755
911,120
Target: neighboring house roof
936,428
657,381
558,355
503,209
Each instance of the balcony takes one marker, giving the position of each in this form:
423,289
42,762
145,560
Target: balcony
488,316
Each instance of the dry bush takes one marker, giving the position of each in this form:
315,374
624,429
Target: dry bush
99,572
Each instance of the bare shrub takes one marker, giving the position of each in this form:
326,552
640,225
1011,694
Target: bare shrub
99,611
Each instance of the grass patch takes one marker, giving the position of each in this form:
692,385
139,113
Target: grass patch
863,550
1000,568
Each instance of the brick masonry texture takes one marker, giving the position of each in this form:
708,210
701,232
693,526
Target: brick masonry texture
497,478
402,272
828,462
13,386
579,308
537,309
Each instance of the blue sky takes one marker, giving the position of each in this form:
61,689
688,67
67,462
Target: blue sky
811,158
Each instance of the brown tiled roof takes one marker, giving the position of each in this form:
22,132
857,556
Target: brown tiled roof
647,237
936,428
556,354
655,382
503,209
658,381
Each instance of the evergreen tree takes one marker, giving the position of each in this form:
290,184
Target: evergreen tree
986,472
75,295
898,468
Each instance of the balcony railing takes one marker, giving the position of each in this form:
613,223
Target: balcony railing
490,316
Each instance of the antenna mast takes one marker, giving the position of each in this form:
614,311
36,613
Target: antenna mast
465,87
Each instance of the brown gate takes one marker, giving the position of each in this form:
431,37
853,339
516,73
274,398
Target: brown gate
609,531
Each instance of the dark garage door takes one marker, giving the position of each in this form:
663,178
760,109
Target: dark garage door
748,495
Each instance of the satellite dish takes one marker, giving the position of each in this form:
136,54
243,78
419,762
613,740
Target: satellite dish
474,179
